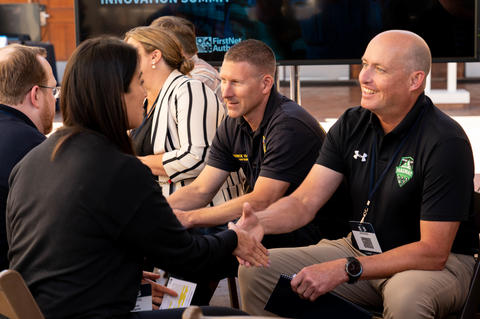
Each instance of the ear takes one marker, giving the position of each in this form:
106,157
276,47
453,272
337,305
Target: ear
267,82
416,81
156,56
33,96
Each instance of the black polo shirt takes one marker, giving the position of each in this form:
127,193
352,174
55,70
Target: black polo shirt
284,147
19,135
431,177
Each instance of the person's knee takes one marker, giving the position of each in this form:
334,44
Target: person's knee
407,303
256,285
246,274
252,279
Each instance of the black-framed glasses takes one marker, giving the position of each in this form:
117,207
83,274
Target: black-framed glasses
55,90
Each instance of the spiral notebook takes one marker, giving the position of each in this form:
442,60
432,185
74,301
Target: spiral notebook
286,303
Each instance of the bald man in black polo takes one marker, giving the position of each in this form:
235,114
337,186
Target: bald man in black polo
409,168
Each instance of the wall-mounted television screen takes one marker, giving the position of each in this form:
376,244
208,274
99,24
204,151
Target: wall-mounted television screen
299,31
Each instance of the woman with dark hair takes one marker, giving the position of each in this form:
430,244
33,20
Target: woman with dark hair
83,212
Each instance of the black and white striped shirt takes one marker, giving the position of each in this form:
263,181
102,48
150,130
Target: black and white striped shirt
185,119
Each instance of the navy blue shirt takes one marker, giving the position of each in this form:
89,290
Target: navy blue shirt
430,179
19,135
284,147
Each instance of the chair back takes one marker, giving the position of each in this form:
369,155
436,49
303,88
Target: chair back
471,304
16,301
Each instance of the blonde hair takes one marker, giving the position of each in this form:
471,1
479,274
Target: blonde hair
156,38
20,70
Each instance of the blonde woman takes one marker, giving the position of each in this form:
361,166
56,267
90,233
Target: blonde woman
181,114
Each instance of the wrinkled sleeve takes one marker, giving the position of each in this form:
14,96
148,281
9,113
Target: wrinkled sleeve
154,232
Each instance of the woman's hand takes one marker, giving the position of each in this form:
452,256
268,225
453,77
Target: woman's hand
158,291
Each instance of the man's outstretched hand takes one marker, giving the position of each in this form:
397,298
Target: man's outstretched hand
249,251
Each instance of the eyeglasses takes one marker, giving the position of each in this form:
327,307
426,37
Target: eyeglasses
55,90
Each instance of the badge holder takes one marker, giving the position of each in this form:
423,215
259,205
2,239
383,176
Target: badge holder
365,238
364,235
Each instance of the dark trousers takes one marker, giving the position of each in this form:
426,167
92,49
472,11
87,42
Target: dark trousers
177,313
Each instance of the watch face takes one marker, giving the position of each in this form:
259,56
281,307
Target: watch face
354,267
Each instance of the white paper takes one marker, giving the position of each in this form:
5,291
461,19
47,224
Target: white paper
144,299
184,289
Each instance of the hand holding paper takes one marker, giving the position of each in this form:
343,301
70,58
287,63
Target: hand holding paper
183,296
158,290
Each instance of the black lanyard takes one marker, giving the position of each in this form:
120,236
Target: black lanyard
373,188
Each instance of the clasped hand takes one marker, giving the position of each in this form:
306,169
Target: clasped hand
249,251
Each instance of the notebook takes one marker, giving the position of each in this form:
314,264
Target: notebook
286,303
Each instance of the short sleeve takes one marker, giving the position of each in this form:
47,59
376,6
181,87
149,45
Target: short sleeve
221,151
330,154
448,184
291,148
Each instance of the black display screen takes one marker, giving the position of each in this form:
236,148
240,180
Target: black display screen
299,31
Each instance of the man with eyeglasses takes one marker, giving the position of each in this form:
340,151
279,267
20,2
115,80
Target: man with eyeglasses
27,107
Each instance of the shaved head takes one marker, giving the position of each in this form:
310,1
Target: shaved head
413,52
394,68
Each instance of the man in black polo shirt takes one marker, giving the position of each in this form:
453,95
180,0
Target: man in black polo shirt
409,169
27,109
271,138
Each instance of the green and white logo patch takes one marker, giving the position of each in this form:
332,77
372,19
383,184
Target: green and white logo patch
404,171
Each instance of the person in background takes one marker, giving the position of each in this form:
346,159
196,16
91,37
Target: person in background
83,212
181,115
184,31
413,239
28,91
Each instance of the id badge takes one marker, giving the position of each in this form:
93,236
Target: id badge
365,238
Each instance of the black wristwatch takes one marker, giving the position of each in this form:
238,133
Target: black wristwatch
353,269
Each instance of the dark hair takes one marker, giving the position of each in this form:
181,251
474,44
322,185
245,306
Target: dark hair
96,77
20,70
183,29
254,52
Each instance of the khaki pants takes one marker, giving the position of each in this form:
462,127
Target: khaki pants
409,294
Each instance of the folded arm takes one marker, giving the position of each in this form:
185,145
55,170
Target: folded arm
155,163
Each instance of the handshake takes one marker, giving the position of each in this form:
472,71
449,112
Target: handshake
249,251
